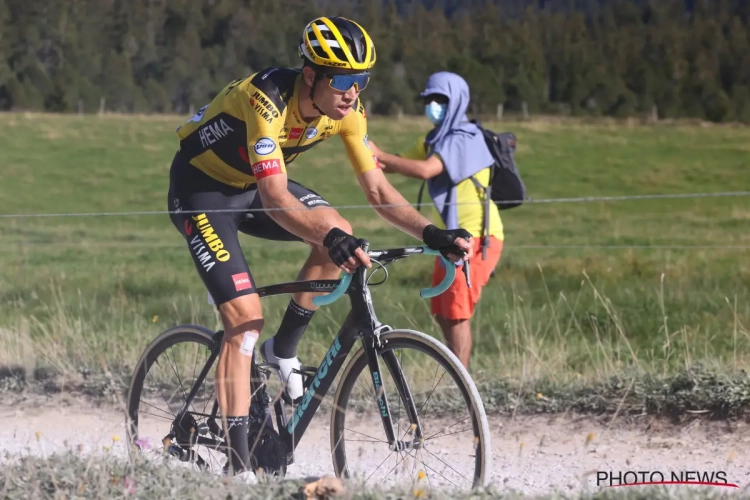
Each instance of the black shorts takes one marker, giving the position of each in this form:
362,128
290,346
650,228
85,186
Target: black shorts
212,236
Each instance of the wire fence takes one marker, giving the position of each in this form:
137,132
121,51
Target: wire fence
150,243
301,246
584,199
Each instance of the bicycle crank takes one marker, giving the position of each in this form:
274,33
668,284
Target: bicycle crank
267,450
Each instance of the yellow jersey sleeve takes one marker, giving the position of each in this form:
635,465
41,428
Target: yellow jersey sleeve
416,152
264,123
354,134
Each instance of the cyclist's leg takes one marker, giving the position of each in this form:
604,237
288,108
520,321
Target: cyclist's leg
212,240
317,266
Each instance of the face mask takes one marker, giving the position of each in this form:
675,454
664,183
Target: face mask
435,112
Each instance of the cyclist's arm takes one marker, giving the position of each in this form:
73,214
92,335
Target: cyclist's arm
267,162
376,187
397,210
287,211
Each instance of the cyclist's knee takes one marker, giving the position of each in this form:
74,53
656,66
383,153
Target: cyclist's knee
242,314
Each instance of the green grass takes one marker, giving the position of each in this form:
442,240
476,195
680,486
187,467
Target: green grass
86,294
70,476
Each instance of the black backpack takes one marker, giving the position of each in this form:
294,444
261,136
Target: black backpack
506,188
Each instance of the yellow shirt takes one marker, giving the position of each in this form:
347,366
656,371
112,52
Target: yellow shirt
253,128
470,199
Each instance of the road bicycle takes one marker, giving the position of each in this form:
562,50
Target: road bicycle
388,390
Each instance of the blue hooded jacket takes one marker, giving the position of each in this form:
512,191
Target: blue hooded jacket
459,143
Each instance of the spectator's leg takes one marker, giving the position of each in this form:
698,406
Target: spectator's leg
457,334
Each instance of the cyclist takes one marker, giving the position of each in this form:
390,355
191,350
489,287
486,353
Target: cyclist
233,157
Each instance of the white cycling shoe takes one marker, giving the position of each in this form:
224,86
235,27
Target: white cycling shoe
293,381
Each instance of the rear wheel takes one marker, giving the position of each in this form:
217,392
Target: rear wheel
447,444
161,382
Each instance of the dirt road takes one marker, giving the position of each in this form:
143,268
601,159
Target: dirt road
532,455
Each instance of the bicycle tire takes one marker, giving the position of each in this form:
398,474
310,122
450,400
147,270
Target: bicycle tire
429,345
165,340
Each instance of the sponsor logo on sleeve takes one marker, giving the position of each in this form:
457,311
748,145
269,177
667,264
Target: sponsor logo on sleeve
264,146
264,168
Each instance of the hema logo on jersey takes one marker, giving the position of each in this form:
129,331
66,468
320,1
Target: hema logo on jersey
264,146
242,281
265,168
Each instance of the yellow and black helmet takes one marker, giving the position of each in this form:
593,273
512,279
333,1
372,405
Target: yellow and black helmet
337,42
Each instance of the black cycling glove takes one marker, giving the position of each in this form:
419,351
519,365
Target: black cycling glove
341,245
442,239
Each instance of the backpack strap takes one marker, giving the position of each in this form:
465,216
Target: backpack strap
485,236
419,196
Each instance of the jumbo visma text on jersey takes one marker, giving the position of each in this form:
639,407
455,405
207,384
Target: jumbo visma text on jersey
206,244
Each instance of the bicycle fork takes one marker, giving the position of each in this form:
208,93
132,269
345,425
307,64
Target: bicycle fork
395,443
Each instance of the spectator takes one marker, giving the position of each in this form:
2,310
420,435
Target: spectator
448,157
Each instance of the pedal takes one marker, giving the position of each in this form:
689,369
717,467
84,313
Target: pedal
308,374
178,452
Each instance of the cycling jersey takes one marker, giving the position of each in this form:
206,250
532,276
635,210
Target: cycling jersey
253,129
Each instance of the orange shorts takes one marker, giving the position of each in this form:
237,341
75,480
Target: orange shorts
459,300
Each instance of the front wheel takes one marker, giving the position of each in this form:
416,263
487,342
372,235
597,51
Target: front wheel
441,429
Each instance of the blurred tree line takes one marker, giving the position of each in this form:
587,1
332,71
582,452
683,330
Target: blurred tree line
598,57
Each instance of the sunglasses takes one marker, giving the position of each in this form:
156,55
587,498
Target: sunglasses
344,82
438,98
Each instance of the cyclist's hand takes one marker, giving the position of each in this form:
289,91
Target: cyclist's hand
345,250
455,244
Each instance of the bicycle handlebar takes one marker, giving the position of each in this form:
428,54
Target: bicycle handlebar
426,293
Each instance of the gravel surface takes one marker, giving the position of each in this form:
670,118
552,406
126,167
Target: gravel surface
531,455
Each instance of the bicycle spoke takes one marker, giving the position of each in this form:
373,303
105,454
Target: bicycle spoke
427,466
449,427
438,473
449,434
156,361
431,392
365,435
156,408
367,389
179,379
399,463
154,415
379,466
444,463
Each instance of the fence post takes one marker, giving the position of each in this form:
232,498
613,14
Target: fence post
80,107
525,108
499,112
192,110
368,105
654,113
101,106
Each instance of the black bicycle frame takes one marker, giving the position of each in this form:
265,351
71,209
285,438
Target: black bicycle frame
361,322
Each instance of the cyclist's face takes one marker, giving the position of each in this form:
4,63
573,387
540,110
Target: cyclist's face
334,103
